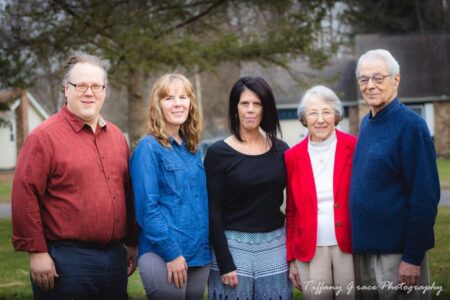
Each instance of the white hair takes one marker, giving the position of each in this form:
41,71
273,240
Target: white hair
327,95
386,56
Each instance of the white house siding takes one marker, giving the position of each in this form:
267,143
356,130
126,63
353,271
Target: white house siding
344,125
8,143
8,138
34,118
293,131
429,117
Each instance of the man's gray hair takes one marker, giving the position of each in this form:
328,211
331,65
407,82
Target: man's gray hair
386,56
327,95
81,57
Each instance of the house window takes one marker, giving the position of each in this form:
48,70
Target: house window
418,108
287,113
426,111
345,112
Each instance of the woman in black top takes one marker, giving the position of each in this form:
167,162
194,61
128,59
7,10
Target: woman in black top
246,177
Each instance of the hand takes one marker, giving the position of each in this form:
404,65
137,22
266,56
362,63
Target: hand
230,279
43,271
408,274
131,260
293,275
177,269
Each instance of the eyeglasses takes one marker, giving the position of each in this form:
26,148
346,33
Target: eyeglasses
377,79
82,87
315,115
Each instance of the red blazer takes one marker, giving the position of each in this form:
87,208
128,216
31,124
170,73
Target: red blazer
301,206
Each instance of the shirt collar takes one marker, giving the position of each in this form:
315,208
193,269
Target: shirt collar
175,143
76,123
386,110
101,121
323,144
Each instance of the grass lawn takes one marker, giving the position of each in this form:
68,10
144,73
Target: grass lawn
444,172
5,186
14,276
15,284
439,256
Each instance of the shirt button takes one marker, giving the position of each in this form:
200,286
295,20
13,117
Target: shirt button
338,224
336,205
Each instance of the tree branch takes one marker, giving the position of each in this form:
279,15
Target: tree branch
194,18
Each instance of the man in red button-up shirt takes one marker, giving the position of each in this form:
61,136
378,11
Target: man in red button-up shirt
71,205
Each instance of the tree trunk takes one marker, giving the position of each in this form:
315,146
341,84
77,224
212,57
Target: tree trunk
22,120
137,108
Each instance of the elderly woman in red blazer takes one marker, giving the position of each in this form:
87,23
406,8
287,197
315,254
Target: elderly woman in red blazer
317,213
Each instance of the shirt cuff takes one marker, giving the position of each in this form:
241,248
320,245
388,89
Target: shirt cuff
168,250
29,244
226,265
413,259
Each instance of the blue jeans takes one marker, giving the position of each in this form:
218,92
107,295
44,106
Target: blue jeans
87,272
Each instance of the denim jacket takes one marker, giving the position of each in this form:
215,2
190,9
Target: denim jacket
171,201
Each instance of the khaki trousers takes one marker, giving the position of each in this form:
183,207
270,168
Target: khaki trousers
377,278
329,273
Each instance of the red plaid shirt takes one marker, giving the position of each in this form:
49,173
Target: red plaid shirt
72,184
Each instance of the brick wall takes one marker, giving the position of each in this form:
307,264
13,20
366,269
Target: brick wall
353,119
442,128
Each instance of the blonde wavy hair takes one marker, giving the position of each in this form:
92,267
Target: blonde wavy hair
190,129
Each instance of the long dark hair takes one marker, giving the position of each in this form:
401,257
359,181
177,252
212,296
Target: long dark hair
270,123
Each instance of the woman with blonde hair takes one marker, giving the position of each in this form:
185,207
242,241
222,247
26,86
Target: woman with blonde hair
171,200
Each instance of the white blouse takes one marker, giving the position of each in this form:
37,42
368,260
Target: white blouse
322,160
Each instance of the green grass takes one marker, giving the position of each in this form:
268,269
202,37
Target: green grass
14,276
15,283
5,190
135,288
444,172
439,256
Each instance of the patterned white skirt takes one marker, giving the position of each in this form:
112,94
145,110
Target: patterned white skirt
263,272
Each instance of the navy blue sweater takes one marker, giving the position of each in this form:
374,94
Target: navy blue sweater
395,186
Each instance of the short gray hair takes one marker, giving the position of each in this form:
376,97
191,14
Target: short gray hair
386,56
81,57
327,95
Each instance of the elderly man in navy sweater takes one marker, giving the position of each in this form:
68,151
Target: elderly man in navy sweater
394,188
